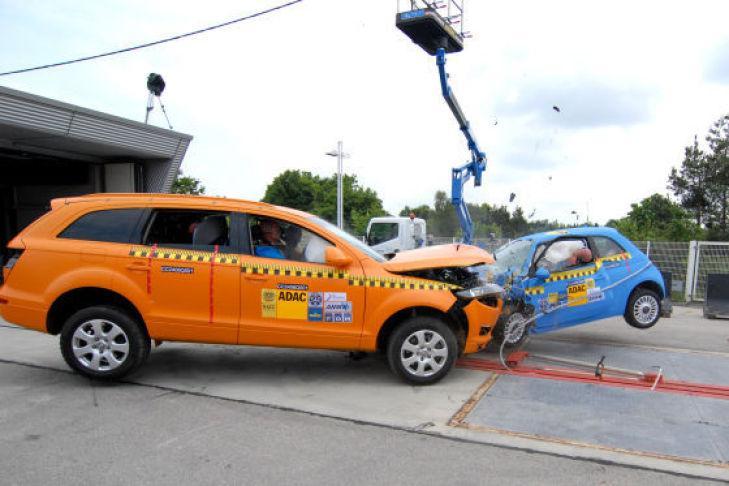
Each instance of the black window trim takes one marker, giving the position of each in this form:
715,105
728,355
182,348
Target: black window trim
587,239
130,240
249,236
234,246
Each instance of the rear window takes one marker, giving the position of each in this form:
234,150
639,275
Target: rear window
111,225
606,247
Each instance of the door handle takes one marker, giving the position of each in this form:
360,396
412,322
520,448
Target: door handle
138,267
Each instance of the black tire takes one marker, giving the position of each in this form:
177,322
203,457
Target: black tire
646,313
442,338
506,325
81,328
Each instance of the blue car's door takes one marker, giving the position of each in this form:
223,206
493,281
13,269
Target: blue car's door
573,292
615,262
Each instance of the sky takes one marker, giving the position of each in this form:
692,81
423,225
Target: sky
634,81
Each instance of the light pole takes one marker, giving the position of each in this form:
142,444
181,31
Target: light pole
340,155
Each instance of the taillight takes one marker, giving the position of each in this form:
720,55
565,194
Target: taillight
10,263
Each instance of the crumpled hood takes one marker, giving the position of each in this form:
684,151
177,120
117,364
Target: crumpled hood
440,256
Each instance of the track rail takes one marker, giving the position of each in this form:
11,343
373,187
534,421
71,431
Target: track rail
648,382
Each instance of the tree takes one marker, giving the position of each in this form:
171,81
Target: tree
718,162
487,220
657,218
293,189
187,185
690,183
318,195
702,182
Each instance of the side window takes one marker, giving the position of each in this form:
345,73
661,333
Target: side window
111,225
606,247
381,232
564,254
189,228
274,238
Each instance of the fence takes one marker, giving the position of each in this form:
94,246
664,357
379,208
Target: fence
687,262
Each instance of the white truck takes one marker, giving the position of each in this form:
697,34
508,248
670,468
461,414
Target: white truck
389,235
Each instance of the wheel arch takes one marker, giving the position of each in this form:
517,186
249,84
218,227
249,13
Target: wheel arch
649,285
457,323
74,300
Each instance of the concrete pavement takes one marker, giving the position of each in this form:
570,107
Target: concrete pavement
58,428
328,384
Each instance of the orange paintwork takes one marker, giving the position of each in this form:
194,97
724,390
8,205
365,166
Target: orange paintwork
455,255
223,299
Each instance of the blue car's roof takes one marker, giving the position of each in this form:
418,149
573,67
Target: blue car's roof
580,231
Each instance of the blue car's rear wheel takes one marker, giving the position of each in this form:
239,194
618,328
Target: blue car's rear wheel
643,309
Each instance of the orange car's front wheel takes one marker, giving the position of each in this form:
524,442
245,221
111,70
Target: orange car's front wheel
422,350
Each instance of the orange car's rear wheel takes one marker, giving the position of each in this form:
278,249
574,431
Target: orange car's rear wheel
103,342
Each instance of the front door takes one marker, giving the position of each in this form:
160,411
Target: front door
290,297
573,292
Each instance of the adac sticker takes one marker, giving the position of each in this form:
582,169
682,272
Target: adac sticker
292,304
577,294
315,311
268,303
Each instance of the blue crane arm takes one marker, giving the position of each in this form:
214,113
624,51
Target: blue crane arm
475,167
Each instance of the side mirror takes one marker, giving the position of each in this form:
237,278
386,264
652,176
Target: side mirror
542,273
336,257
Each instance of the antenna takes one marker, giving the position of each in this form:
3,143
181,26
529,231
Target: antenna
155,86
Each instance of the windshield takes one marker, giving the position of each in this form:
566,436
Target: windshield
381,232
511,257
326,225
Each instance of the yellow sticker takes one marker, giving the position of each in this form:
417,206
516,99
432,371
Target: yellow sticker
268,303
590,283
554,298
577,294
292,304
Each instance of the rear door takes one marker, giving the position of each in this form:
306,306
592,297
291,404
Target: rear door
188,265
573,292
298,300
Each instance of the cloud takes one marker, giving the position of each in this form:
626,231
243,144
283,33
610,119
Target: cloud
582,103
716,68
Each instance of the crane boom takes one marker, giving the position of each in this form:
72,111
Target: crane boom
474,168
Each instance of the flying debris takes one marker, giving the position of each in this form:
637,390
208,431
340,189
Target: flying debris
512,197
550,178
496,122
556,108
531,215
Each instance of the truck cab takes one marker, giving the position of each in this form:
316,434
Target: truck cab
390,235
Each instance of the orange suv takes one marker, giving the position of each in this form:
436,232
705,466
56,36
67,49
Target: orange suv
109,273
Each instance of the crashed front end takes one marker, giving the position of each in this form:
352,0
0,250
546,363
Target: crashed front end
478,303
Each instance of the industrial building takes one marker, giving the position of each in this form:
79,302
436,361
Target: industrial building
50,149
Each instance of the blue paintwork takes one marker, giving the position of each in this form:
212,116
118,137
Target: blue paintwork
475,168
613,302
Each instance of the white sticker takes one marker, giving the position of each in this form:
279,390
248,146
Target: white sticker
335,296
595,294
337,307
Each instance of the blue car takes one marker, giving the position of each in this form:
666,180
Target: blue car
574,276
